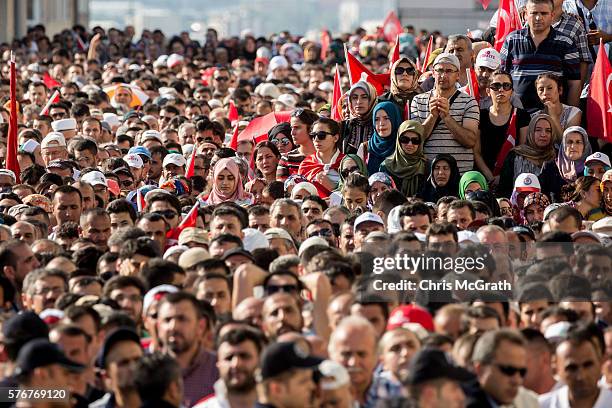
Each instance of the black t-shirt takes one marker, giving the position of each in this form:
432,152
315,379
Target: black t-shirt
492,137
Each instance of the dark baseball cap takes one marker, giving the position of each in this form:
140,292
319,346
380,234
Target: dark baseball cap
237,251
279,358
116,336
42,353
24,327
432,364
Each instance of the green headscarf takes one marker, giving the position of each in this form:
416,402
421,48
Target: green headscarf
407,167
471,177
362,168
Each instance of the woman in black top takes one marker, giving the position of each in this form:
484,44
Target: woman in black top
494,124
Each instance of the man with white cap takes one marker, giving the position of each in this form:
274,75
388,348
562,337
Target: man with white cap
596,165
67,127
364,224
7,179
99,184
136,166
449,116
487,61
173,165
53,147
277,69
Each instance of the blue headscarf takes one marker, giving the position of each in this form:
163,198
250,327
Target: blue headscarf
379,148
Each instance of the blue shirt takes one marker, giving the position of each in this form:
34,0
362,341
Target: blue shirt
557,54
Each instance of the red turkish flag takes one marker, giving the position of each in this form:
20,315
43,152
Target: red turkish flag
599,102
325,41
191,163
472,88
50,81
234,141
427,53
485,3
356,71
232,115
392,27
396,51
189,221
336,95
508,20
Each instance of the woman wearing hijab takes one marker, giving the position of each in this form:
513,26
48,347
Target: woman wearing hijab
321,167
531,156
408,166
470,182
443,180
575,148
280,135
359,127
386,119
404,84
351,163
227,184
606,192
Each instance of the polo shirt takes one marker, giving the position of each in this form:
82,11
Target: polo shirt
557,54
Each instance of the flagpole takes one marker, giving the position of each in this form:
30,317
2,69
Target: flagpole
11,162
49,103
346,61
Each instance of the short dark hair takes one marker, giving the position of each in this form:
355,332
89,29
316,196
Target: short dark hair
154,373
74,313
159,272
412,209
178,297
120,282
240,335
122,205
86,144
168,198
564,212
144,246
226,210
442,228
317,200
66,189
457,204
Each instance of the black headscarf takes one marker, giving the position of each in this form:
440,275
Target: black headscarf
432,192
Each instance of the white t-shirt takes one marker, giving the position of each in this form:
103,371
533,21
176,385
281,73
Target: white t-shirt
560,399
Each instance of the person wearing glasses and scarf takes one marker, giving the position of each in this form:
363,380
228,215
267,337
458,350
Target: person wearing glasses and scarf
227,184
351,163
386,119
404,84
408,166
322,167
359,128
280,135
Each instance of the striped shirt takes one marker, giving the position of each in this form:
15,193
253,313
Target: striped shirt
441,139
557,54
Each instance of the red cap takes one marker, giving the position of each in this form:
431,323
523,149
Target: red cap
262,59
410,314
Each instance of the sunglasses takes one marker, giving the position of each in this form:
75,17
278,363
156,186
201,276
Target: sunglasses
283,142
496,86
401,70
324,232
406,140
346,172
222,79
271,289
167,214
510,371
320,135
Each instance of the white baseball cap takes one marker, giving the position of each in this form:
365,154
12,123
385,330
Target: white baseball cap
527,182
312,241
287,100
600,157
133,160
334,375
64,124
95,178
151,134
174,158
152,294
488,57
10,173
368,217
53,139
29,146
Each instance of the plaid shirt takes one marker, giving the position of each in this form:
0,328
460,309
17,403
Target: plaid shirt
601,14
557,54
573,28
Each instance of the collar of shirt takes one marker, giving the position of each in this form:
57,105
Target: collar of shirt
333,159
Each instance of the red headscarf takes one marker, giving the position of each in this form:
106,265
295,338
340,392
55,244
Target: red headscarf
217,196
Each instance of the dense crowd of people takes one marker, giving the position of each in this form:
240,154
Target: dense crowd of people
213,225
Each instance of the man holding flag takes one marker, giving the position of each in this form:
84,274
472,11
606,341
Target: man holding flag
537,49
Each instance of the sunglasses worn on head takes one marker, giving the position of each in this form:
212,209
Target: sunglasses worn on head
168,214
496,86
414,140
401,70
321,135
346,172
510,371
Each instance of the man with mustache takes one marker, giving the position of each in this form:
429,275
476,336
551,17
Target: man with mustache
237,359
181,327
281,314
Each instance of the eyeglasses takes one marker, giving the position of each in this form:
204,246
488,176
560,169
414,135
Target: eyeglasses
324,232
441,71
222,78
496,86
510,371
168,214
271,289
321,135
346,172
401,70
406,140
283,142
